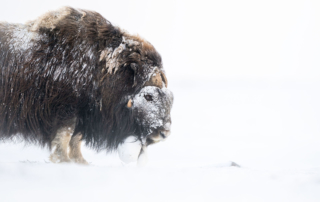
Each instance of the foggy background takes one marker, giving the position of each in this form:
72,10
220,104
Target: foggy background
211,39
246,78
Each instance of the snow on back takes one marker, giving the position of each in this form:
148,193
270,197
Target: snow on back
21,37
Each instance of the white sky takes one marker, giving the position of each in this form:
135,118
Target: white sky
231,39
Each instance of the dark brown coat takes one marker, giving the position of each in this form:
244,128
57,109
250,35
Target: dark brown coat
69,67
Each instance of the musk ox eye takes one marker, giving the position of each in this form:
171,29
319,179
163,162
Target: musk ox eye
148,97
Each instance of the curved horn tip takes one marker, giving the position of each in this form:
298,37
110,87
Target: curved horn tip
129,104
164,79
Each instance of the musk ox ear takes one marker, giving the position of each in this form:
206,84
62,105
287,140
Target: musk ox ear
134,67
129,104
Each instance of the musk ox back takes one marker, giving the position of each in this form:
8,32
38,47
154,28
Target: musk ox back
70,75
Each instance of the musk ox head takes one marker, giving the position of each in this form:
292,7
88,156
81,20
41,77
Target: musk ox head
151,109
134,75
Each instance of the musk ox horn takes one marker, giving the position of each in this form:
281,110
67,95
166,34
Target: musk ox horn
129,104
158,79
134,67
164,78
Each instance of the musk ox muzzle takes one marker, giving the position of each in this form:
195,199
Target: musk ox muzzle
151,107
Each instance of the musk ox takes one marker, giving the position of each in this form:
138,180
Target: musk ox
70,75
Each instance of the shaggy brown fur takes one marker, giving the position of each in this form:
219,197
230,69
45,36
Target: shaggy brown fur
73,68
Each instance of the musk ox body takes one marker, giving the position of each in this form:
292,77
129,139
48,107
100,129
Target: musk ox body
70,75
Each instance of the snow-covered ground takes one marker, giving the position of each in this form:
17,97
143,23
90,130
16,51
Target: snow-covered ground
246,78
270,129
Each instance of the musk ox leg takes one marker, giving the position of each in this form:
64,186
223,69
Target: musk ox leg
75,149
60,145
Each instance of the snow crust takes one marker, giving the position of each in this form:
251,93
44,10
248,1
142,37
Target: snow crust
133,150
130,150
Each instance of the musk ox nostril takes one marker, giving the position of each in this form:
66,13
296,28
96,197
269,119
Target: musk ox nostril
162,134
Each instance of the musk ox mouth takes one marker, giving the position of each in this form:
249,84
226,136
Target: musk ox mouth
158,135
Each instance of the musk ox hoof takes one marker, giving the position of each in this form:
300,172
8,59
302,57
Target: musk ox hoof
80,161
58,159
